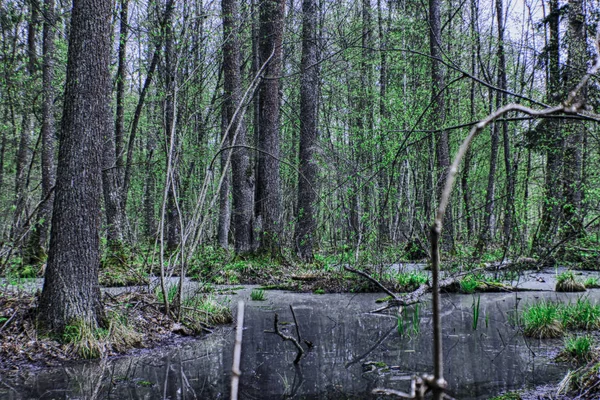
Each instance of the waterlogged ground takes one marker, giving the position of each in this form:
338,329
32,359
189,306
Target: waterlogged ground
354,352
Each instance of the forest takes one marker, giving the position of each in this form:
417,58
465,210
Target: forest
250,141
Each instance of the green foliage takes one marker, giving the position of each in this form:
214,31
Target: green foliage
411,280
257,295
205,310
85,341
171,293
591,283
547,319
580,315
469,284
578,348
541,320
319,291
409,324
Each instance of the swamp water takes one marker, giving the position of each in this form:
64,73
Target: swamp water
354,352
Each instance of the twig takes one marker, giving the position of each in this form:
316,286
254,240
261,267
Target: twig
8,322
286,337
237,352
296,323
369,277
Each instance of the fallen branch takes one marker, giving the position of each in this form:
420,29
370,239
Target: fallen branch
286,337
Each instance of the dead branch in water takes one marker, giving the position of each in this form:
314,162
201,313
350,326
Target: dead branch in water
285,337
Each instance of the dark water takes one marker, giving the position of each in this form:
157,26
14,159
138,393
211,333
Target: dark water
478,363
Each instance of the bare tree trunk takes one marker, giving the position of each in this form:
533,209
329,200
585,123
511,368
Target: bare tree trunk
150,190
121,71
501,99
224,203
27,126
442,148
173,226
242,184
307,179
269,194
39,237
71,293
553,142
574,130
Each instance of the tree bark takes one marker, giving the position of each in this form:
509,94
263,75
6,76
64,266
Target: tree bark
574,130
27,126
39,237
552,142
224,203
242,185
269,194
442,148
173,227
71,293
307,179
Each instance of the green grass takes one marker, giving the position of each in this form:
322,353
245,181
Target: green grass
542,320
580,315
578,348
412,279
469,284
566,282
591,283
548,319
257,295
319,291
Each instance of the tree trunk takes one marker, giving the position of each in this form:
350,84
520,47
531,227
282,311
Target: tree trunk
39,236
553,143
269,194
71,293
442,148
501,99
572,180
224,203
307,179
242,183
173,226
120,119
27,126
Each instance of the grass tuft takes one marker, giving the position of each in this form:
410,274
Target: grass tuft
578,348
257,295
541,320
566,282
581,315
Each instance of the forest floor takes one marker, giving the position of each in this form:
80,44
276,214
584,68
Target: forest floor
133,320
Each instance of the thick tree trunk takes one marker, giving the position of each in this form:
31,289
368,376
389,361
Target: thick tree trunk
71,293
39,236
307,179
442,148
574,130
242,183
269,194
553,143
